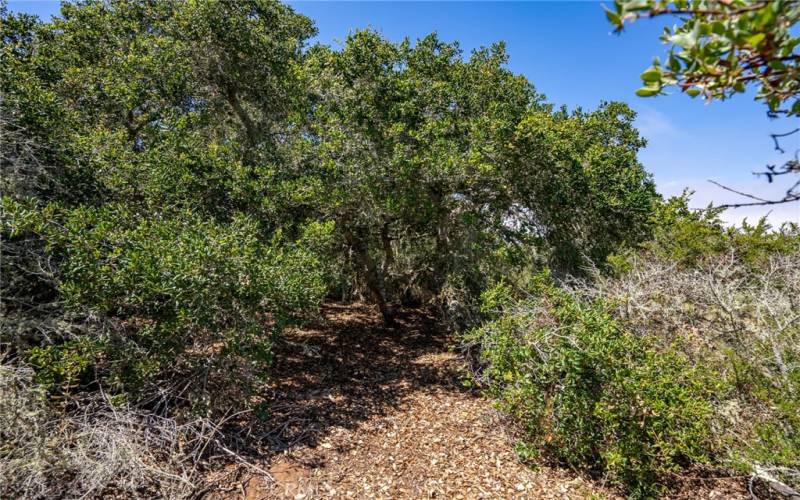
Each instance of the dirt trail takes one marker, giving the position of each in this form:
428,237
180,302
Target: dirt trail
365,411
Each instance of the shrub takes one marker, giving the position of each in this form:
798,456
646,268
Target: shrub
48,453
687,352
736,311
172,292
592,393
687,237
141,248
731,306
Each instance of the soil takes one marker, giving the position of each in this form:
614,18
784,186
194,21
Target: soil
361,410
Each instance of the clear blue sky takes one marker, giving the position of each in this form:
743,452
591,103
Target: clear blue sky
567,51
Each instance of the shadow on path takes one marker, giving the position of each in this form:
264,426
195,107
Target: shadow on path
359,410
349,369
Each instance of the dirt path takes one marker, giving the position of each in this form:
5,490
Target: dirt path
366,411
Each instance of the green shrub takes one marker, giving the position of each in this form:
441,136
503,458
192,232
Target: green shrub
591,393
727,296
175,292
688,236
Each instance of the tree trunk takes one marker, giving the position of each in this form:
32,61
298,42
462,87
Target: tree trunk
373,276
250,128
442,245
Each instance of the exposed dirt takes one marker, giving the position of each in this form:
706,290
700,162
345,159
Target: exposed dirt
365,411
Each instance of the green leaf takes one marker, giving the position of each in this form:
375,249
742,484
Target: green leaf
647,91
777,65
718,28
674,63
756,39
774,103
693,92
651,74
614,18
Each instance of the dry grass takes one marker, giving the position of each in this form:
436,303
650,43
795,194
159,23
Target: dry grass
724,304
49,452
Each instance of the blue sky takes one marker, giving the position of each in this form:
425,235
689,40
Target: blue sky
566,49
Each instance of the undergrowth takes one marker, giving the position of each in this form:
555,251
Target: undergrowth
681,355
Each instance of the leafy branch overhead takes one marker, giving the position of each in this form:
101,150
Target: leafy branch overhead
722,47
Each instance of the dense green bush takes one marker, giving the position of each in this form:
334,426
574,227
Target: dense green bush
176,292
729,295
141,250
687,236
685,353
591,393
422,155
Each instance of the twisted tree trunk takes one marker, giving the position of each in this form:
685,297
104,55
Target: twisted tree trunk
374,276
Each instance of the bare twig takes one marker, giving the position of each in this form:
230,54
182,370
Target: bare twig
791,196
245,462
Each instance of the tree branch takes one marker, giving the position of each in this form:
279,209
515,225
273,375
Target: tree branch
791,196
